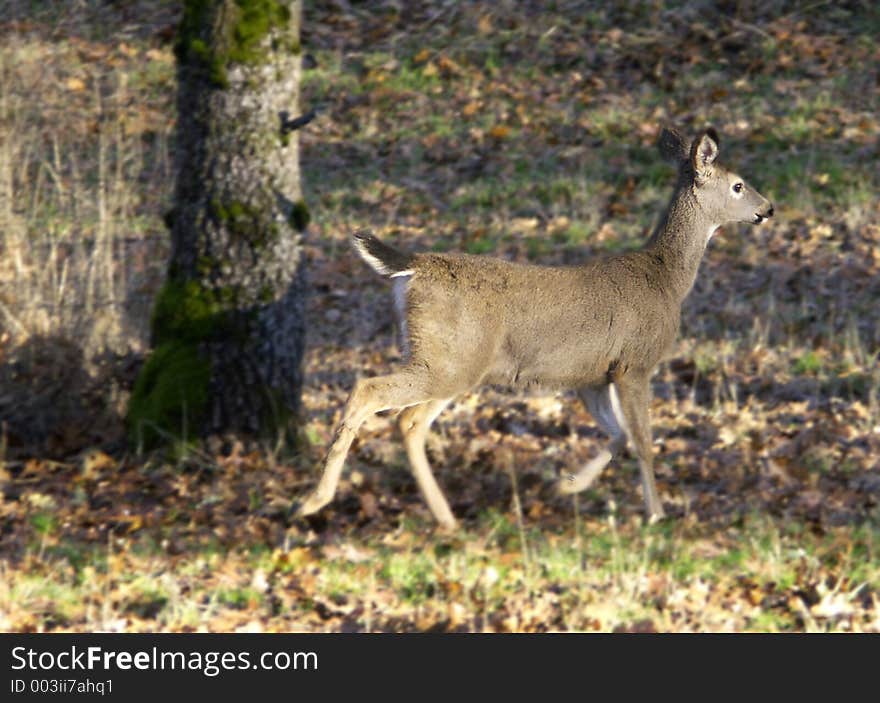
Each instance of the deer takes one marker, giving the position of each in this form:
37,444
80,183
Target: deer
599,328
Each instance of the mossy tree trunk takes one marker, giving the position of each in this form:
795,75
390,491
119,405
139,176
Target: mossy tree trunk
227,327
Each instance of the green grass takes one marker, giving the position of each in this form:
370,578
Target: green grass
779,337
614,574
809,363
238,598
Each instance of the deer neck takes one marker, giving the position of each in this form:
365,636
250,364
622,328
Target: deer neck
679,241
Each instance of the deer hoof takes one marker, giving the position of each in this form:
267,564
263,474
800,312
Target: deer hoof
447,528
570,483
656,516
311,505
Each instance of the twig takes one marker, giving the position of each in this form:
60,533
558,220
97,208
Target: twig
517,509
289,125
750,28
578,537
13,320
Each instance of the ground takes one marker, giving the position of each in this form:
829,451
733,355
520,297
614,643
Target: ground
524,130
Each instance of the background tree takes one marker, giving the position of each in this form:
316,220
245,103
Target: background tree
227,327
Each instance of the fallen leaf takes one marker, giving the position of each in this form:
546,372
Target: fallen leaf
499,132
75,84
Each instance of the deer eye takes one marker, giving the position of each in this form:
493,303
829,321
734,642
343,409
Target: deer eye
738,187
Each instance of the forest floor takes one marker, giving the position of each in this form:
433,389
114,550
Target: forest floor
509,129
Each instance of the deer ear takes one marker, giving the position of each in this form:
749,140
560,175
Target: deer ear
704,151
672,146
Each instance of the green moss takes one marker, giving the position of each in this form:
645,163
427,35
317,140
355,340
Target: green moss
169,399
191,48
200,50
267,294
185,311
217,74
170,395
255,20
193,20
244,222
233,212
217,209
241,35
238,210
300,216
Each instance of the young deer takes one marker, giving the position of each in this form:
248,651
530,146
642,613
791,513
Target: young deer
599,328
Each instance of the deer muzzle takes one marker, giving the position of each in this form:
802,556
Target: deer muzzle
765,214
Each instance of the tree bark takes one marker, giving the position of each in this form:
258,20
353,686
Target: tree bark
228,328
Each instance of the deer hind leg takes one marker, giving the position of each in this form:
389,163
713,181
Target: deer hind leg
603,404
369,396
414,423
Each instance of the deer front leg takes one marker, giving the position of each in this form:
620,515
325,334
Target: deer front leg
370,395
635,395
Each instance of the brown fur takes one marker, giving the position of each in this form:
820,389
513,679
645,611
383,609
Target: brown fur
599,328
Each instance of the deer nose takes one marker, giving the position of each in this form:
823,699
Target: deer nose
770,212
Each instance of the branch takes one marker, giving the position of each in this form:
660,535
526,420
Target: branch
289,125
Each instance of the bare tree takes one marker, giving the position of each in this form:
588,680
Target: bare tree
227,328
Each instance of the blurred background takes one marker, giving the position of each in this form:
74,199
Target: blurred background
519,129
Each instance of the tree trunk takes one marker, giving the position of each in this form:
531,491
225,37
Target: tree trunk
227,328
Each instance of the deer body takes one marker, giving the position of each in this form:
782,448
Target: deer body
522,325
599,328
